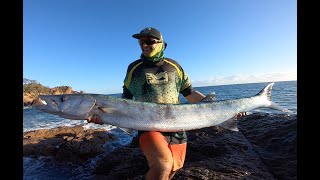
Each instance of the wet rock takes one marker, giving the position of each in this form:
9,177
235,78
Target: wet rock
73,144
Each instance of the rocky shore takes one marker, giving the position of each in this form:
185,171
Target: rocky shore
30,98
264,148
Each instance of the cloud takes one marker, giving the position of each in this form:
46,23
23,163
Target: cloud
246,78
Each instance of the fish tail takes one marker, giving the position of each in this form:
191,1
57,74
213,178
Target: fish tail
277,107
266,91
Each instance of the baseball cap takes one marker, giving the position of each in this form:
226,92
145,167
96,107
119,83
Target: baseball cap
149,31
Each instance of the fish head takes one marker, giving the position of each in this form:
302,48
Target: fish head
70,106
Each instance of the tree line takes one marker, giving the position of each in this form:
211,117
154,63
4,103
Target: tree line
33,87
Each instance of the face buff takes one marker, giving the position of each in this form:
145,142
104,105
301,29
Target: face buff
156,54
156,50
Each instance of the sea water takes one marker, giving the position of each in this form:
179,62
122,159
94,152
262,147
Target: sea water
283,93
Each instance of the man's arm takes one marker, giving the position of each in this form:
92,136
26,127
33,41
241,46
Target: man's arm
195,97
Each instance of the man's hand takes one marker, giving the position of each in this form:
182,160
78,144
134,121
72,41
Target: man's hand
241,114
95,119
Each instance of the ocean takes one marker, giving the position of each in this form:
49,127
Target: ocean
284,94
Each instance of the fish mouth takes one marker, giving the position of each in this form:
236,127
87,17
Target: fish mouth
46,104
43,102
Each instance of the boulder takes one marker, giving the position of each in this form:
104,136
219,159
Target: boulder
72,144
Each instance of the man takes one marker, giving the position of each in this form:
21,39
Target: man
155,78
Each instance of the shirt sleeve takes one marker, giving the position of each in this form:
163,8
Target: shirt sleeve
186,86
187,91
126,93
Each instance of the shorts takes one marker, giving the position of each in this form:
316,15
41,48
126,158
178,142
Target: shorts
156,148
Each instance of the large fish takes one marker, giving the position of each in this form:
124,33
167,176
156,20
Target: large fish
146,116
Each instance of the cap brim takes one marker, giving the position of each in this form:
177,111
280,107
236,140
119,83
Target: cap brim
138,36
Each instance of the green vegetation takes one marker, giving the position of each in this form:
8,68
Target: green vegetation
33,87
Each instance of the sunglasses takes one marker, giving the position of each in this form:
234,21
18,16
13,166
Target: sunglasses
148,42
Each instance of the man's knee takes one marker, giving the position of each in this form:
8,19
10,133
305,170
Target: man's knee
164,165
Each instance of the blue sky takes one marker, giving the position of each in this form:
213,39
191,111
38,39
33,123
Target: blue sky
88,44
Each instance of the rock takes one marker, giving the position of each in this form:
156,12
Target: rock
264,148
31,98
274,138
28,99
73,144
217,153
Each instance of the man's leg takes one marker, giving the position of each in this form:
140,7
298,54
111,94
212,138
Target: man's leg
178,153
159,157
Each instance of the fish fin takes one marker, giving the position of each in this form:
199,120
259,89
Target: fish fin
111,110
266,91
210,97
107,109
230,124
128,131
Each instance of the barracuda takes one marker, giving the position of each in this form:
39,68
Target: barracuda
146,116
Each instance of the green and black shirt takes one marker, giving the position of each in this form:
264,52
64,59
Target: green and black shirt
159,82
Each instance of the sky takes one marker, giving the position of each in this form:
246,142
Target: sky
88,44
